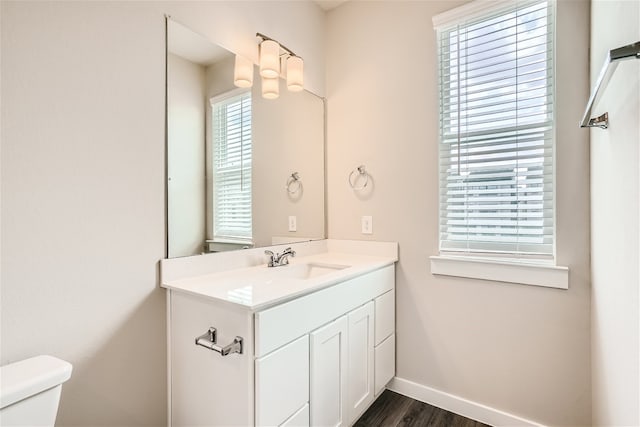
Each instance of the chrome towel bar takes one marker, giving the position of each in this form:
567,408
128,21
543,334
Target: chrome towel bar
209,338
611,62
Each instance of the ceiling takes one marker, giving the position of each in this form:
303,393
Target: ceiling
329,4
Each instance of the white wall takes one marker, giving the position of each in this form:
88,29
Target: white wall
83,206
615,226
515,348
186,113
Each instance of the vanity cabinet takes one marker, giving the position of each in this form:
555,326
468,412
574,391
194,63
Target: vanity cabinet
318,359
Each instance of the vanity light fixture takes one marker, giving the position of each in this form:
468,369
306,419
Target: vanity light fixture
243,72
270,87
272,53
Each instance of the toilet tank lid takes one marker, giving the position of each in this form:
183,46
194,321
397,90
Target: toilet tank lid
27,377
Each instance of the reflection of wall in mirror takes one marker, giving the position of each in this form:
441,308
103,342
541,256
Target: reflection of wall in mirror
288,137
190,85
186,186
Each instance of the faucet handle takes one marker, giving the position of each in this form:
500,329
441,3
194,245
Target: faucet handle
272,258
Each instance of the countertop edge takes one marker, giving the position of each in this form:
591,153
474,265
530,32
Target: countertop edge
334,279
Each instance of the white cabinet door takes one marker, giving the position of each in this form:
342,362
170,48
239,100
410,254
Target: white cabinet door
282,383
328,370
299,419
360,391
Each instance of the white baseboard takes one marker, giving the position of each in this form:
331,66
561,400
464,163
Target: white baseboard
458,405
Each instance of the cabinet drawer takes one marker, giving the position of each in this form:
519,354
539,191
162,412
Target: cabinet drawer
385,363
281,324
385,316
282,383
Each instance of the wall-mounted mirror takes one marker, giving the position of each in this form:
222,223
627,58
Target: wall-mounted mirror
242,171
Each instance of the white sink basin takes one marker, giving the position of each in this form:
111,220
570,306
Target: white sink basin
307,270
241,288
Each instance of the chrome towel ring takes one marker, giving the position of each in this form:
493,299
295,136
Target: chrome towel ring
359,172
294,183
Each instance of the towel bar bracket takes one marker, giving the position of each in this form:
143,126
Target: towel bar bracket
601,121
614,56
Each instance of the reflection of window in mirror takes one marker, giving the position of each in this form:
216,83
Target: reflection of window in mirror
230,210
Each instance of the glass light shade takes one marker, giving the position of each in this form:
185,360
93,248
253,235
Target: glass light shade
270,87
243,72
295,73
269,59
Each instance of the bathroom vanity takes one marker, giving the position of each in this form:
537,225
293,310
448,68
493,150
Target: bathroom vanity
309,343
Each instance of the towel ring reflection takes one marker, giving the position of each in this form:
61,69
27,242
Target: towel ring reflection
358,173
294,184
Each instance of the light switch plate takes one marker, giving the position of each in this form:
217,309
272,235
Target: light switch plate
367,225
293,223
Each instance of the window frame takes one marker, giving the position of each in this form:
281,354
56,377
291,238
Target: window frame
213,235
512,267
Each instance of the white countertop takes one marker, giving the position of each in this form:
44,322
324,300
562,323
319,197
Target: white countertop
259,287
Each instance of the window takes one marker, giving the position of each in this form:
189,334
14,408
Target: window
231,149
496,89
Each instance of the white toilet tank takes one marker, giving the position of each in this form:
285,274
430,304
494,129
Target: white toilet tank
30,391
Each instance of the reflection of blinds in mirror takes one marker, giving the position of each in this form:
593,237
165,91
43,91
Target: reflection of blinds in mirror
231,140
496,131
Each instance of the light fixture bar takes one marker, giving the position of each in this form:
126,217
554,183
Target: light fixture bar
283,47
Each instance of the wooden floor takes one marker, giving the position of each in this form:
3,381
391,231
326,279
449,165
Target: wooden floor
393,409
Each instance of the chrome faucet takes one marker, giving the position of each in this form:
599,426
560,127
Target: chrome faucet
278,260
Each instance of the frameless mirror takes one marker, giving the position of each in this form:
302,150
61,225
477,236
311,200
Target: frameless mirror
242,171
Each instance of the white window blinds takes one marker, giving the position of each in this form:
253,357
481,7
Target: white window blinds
497,131
231,140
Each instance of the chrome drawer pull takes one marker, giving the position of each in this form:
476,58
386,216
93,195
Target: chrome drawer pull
209,338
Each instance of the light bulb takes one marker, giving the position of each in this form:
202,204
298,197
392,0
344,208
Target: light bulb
269,59
243,72
295,73
270,87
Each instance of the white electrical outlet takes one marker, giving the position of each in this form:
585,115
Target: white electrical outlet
293,223
367,225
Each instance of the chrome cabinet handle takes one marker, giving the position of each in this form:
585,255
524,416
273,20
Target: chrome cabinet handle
209,338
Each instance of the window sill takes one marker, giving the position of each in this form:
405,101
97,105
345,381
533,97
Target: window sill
230,241
221,245
523,273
